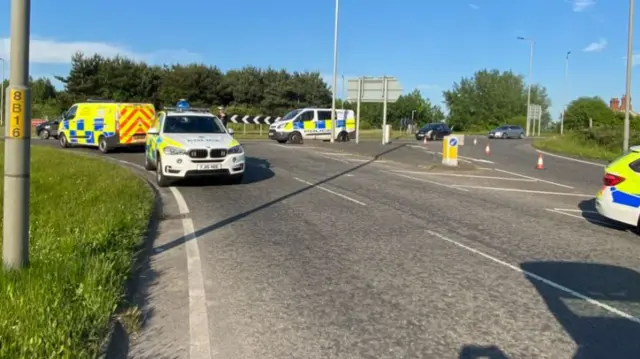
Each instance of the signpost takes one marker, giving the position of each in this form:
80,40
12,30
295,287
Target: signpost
373,90
535,114
450,151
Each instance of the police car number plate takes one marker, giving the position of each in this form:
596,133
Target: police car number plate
208,166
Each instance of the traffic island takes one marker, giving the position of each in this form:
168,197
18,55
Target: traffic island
88,220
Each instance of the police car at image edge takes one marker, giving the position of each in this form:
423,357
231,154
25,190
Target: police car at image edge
175,155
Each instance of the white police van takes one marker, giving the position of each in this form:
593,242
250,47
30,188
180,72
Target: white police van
314,124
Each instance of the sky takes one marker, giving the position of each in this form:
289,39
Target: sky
427,45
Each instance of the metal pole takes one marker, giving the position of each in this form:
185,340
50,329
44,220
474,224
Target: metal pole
15,249
530,83
566,88
335,73
2,95
344,93
627,105
360,81
384,110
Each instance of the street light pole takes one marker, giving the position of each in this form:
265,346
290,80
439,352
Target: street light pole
15,245
627,105
530,83
566,88
344,92
2,94
335,72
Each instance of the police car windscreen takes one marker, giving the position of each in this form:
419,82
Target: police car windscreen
193,124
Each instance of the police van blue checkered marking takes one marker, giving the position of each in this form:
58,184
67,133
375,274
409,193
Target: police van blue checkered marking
98,124
80,125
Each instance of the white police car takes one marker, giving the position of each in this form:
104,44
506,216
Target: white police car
187,142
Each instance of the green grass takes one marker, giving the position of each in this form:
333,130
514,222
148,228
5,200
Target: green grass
572,144
88,219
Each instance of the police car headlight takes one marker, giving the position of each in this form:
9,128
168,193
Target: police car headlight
174,151
236,149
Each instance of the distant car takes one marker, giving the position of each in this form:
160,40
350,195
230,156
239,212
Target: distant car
433,131
48,129
507,131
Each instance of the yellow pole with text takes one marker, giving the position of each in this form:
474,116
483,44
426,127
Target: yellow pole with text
15,244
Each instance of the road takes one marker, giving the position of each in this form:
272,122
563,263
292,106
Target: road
326,255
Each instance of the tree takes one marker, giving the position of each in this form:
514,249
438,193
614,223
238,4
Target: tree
582,109
491,98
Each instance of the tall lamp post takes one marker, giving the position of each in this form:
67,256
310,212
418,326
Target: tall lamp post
627,105
531,41
566,88
335,73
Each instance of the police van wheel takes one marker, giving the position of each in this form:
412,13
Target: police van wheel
161,179
63,141
343,137
102,145
295,137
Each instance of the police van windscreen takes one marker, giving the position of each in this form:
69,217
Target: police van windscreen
290,115
193,124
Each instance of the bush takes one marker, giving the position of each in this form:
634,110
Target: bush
88,218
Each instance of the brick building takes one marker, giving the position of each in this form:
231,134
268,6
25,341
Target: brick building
619,105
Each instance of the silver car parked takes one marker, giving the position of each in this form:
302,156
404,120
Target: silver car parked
507,131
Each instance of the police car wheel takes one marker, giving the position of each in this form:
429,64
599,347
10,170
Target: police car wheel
147,164
161,179
236,179
63,141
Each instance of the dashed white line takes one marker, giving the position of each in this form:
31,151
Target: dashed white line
330,191
427,181
579,217
546,281
467,176
573,159
537,179
523,190
199,345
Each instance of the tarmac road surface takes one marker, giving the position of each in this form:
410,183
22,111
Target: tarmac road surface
324,254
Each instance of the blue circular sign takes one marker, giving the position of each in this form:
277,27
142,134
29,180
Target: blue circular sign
453,141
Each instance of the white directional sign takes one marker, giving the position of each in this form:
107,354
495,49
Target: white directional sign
374,89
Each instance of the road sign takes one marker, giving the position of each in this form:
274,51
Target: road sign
450,151
373,89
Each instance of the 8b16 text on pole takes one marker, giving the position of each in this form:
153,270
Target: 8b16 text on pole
17,114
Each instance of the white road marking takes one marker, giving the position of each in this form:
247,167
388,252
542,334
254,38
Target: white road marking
199,345
573,159
523,190
330,191
334,153
467,176
427,181
463,157
574,210
537,179
546,281
333,158
579,217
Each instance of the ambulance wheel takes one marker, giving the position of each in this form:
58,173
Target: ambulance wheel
148,165
343,137
63,141
161,179
102,145
295,137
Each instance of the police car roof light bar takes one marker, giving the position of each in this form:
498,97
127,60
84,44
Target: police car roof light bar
190,109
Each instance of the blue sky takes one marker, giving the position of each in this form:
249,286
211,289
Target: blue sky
425,44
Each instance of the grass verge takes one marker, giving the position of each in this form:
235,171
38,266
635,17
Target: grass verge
88,218
574,145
